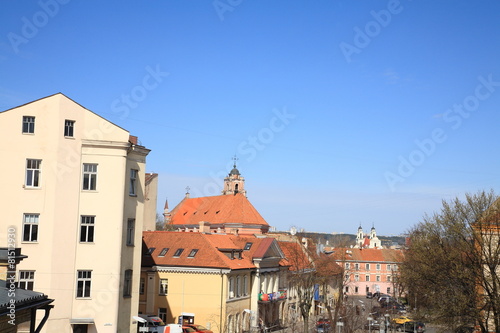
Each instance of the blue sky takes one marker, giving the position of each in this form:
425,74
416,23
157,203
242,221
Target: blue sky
342,113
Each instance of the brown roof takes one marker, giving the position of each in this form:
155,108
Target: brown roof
369,255
213,249
216,210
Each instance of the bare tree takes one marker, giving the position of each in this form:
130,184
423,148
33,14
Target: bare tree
451,268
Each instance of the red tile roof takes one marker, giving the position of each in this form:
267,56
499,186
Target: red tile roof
369,255
208,246
220,209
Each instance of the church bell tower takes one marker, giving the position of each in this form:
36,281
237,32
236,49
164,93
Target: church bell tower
234,182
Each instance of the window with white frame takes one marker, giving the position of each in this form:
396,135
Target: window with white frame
378,267
378,278
28,124
231,287
347,265
356,277
69,126
130,232
83,284
356,266
388,290
367,267
33,172
142,286
87,229
245,285
367,278
26,280
163,287
388,267
30,227
162,313
89,176
127,283
133,182
238,286
388,278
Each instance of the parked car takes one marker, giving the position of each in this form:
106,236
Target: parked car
187,329
401,320
372,325
323,328
411,326
369,294
198,328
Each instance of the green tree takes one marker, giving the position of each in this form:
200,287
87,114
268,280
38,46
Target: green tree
451,266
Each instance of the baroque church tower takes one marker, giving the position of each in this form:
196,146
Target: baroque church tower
234,182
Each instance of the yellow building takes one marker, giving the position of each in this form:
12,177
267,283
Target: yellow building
74,193
226,282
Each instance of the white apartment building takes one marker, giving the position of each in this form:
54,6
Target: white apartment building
73,188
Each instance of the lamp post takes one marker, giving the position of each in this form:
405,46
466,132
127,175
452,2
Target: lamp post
369,323
386,320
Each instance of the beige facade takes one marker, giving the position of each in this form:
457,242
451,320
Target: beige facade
75,194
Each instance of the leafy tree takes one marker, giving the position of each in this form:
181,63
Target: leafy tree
451,267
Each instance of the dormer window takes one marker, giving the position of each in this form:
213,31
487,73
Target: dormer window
192,253
247,246
163,252
178,253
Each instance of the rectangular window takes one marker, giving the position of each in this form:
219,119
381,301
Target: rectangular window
237,287
356,289
388,267
26,280
87,229
388,278
378,267
192,253
163,287
130,232
245,285
231,287
127,283
367,266
30,227
347,265
356,266
178,253
367,277
28,124
133,181
163,252
378,278
247,246
68,128
33,173
89,176
162,313
142,286
356,277
389,290
83,284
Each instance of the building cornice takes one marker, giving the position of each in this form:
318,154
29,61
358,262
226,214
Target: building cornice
198,270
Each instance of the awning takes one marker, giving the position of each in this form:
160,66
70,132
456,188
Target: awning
82,321
187,314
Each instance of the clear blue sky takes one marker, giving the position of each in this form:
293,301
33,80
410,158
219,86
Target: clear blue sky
341,112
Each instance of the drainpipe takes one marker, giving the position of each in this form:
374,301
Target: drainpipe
221,298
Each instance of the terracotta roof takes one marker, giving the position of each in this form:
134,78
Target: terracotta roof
295,255
368,255
214,250
149,177
216,210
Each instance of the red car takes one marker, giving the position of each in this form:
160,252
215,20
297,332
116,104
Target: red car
187,329
197,328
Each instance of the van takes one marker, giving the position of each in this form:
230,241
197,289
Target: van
151,323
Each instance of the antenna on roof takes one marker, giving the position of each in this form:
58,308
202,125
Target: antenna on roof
187,191
235,159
